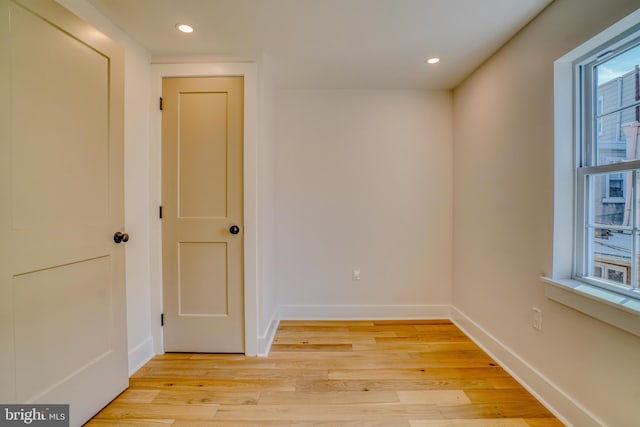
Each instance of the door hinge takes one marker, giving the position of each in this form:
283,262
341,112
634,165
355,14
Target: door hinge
160,103
162,319
160,212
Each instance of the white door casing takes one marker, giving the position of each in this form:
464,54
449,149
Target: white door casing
255,343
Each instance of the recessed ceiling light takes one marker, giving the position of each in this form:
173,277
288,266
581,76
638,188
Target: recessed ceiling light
184,28
433,60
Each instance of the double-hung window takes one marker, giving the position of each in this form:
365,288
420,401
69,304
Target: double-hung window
596,226
608,167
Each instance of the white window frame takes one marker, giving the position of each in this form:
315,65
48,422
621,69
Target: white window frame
563,285
589,164
600,108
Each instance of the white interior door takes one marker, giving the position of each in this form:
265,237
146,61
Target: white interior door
202,157
62,290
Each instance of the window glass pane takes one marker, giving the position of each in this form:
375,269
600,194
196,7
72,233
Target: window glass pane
614,135
617,105
609,199
616,81
616,188
597,270
610,256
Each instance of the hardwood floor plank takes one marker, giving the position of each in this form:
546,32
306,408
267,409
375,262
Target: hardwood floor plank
421,347
282,373
129,422
495,422
312,347
217,423
342,332
119,411
340,355
284,324
230,364
297,339
138,396
544,422
380,363
451,354
336,413
416,373
339,374
438,327
182,372
414,322
369,423
434,397
200,356
323,398
504,383
500,395
197,397
373,385
451,346
426,338
496,410
211,385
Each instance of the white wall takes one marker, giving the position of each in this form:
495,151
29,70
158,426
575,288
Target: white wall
503,213
268,311
138,213
363,179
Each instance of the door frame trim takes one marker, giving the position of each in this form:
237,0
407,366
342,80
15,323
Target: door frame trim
248,70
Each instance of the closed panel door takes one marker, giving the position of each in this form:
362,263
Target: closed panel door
61,273
202,139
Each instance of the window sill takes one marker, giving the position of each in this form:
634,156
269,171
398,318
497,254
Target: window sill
617,310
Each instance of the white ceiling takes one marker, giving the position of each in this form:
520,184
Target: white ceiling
331,43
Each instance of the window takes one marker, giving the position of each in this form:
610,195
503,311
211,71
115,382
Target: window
615,185
608,169
596,223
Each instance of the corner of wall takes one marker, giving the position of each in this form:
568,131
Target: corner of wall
265,341
566,409
140,354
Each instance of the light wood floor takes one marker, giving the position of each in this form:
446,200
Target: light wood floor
379,373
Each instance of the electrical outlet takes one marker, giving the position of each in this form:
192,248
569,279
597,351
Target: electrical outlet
355,273
537,318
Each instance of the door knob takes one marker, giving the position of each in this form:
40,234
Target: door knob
120,237
234,229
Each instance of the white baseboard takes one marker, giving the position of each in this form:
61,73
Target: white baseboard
140,354
265,341
566,409
363,312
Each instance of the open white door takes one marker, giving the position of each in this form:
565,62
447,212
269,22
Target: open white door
62,290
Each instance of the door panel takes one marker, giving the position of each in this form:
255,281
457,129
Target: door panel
77,77
203,279
203,155
73,304
202,126
62,181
